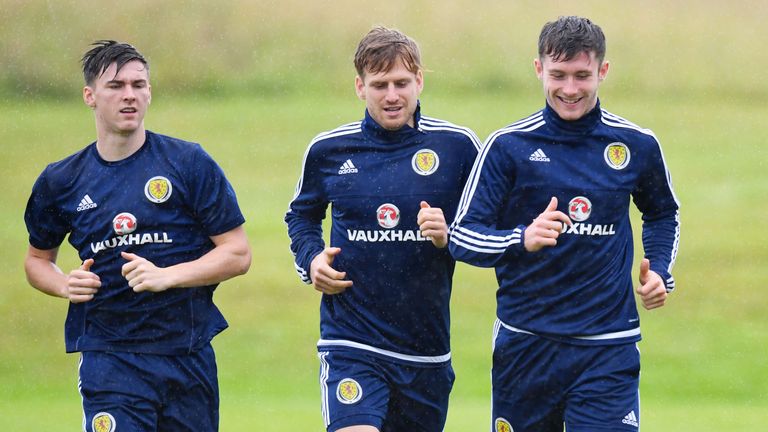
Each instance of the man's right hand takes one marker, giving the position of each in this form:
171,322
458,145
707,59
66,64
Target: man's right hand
545,229
326,279
82,284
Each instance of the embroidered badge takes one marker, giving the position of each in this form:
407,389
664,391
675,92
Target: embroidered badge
502,425
616,155
158,189
425,162
103,422
349,391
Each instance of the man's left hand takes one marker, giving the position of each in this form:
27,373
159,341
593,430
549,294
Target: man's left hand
142,275
652,289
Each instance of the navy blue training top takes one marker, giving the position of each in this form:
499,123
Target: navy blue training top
374,180
579,291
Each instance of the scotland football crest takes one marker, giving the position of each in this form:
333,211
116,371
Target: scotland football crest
616,155
103,422
425,162
158,189
349,391
502,425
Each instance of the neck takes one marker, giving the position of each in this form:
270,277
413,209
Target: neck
115,146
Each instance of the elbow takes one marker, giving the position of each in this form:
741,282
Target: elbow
243,261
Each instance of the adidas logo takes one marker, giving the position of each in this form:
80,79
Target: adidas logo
538,156
631,419
86,203
347,168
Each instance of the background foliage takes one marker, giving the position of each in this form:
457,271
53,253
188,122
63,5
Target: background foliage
254,81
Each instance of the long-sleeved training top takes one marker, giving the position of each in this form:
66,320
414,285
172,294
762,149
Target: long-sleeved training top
579,291
374,180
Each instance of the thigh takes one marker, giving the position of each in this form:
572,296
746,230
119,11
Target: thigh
419,397
353,389
528,387
116,394
605,396
191,392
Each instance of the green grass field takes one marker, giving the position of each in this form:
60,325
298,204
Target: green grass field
690,72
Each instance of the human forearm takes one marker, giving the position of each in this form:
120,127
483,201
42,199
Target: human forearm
230,257
222,263
45,276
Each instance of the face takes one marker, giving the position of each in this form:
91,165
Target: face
571,86
120,101
391,97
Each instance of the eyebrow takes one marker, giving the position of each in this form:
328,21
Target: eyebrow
383,81
116,81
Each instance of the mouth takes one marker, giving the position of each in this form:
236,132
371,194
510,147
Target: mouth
393,110
569,101
129,110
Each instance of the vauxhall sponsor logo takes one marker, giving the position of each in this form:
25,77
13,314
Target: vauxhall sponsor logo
388,217
385,236
124,224
131,239
579,209
579,228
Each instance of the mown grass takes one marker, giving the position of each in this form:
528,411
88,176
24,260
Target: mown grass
703,366
255,81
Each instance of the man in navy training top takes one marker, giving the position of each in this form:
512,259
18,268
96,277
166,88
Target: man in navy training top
157,227
393,179
547,205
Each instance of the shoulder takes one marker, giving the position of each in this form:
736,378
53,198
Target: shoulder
434,125
626,129
61,172
330,140
339,132
518,128
170,143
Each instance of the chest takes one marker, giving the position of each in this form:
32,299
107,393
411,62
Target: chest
111,201
422,169
601,163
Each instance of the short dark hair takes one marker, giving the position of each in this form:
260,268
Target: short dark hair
106,52
569,36
380,49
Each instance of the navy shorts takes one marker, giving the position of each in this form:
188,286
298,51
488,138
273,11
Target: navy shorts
147,392
362,389
540,384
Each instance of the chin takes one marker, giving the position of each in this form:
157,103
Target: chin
571,115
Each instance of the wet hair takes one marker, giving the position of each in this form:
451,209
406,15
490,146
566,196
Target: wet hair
570,36
106,52
382,47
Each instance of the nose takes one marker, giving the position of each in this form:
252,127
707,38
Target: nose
392,95
128,93
570,87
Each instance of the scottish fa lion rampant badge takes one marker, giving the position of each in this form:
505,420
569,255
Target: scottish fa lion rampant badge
349,391
502,425
158,189
425,162
616,155
103,422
